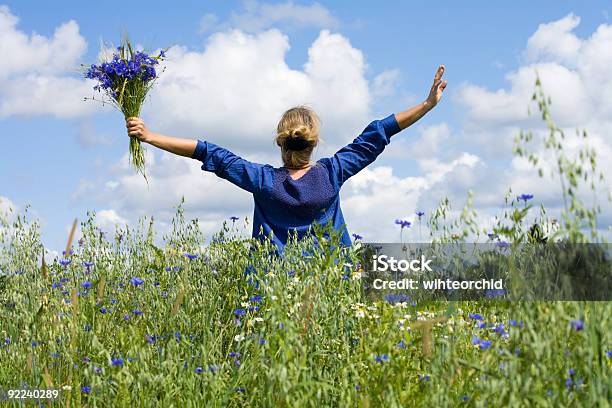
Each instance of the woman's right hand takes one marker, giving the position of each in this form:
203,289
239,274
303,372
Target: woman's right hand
136,128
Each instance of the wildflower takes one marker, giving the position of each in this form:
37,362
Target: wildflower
88,264
403,223
465,398
234,218
256,299
397,298
494,293
425,377
514,323
577,325
239,312
234,354
136,281
525,197
383,358
290,273
237,363
239,337
475,316
34,344
571,372
86,389
191,256
481,343
609,353
502,244
137,312
261,342
117,362
481,325
569,383
103,310
64,262
56,285
126,317
357,237
199,370
240,389
420,214
401,344
86,285
150,339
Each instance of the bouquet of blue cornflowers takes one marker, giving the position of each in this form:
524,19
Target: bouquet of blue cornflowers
125,80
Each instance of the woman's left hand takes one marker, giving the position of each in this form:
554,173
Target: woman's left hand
435,94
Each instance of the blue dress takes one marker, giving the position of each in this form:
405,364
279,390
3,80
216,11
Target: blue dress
283,204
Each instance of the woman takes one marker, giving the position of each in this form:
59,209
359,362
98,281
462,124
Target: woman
293,197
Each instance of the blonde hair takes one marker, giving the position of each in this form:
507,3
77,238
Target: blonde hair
297,134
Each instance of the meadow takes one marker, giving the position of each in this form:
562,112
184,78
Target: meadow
126,321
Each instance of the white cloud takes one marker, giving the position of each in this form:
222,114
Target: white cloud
258,16
36,72
385,82
108,220
555,41
235,90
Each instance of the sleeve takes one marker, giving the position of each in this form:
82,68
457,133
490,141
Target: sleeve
225,164
357,155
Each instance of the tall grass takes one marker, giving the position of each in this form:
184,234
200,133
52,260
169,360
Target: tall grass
125,322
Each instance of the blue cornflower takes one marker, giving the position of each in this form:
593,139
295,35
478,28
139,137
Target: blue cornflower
345,277
290,273
237,363
136,281
568,383
7,341
103,310
482,344
234,218
492,236
502,244
609,353
240,389
357,237
401,344
571,372
199,370
86,284
64,280
420,214
88,264
577,325
383,358
397,298
239,312
481,325
465,398
525,197
86,389
234,354
425,377
117,362
515,323
56,285
475,316
34,344
87,327
191,256
403,223
261,342
137,312
256,298
64,262
126,317
177,335
493,293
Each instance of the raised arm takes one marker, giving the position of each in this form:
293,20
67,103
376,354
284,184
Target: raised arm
225,164
182,147
355,156
408,117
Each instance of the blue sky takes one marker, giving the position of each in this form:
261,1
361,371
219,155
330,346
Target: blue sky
62,164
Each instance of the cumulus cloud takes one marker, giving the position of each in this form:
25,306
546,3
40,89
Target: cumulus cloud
575,74
35,71
235,90
258,16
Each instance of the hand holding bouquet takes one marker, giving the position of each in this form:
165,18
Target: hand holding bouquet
126,79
